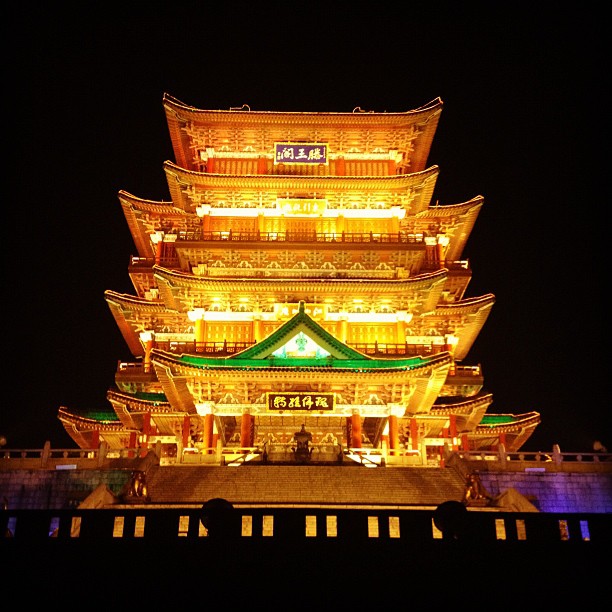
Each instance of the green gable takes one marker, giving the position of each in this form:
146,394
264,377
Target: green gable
302,343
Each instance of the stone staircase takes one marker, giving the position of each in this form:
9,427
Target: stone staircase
304,485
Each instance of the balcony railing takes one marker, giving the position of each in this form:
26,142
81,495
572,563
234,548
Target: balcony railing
49,458
375,349
289,236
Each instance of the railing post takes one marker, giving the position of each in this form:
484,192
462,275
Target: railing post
219,452
102,450
557,458
503,456
45,454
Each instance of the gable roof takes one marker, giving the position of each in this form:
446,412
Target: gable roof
300,322
332,354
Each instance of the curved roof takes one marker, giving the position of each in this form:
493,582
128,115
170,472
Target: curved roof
516,429
475,311
410,132
157,214
184,185
146,216
458,221
182,291
84,429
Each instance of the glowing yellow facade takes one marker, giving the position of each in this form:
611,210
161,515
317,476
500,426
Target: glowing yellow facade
300,258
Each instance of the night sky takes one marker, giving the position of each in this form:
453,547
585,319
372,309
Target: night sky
522,125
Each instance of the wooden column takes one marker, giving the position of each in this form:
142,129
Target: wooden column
186,430
257,330
159,246
208,441
343,330
400,331
340,167
245,430
356,431
393,435
132,443
148,347
340,224
199,331
453,431
206,222
414,434
146,429
440,254
262,165
395,224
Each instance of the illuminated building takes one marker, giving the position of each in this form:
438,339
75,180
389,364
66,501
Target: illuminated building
300,275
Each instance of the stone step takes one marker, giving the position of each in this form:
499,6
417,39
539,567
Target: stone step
304,484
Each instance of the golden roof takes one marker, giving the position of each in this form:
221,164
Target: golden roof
189,189
410,133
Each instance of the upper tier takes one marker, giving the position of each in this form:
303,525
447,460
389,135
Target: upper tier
398,142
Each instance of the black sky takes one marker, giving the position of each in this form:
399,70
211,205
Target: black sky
523,125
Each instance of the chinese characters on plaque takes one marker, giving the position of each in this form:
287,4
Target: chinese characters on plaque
300,153
301,401
301,206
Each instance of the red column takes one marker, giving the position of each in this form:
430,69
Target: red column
210,164
158,251
132,443
95,438
453,431
245,430
340,166
393,435
414,434
146,429
186,430
206,223
208,432
356,431
440,252
262,165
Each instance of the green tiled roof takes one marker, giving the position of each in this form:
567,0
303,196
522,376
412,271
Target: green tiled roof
98,414
151,397
497,419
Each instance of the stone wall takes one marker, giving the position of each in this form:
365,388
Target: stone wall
547,491
55,489
555,491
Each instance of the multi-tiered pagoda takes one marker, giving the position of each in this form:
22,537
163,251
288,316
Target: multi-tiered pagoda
300,293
